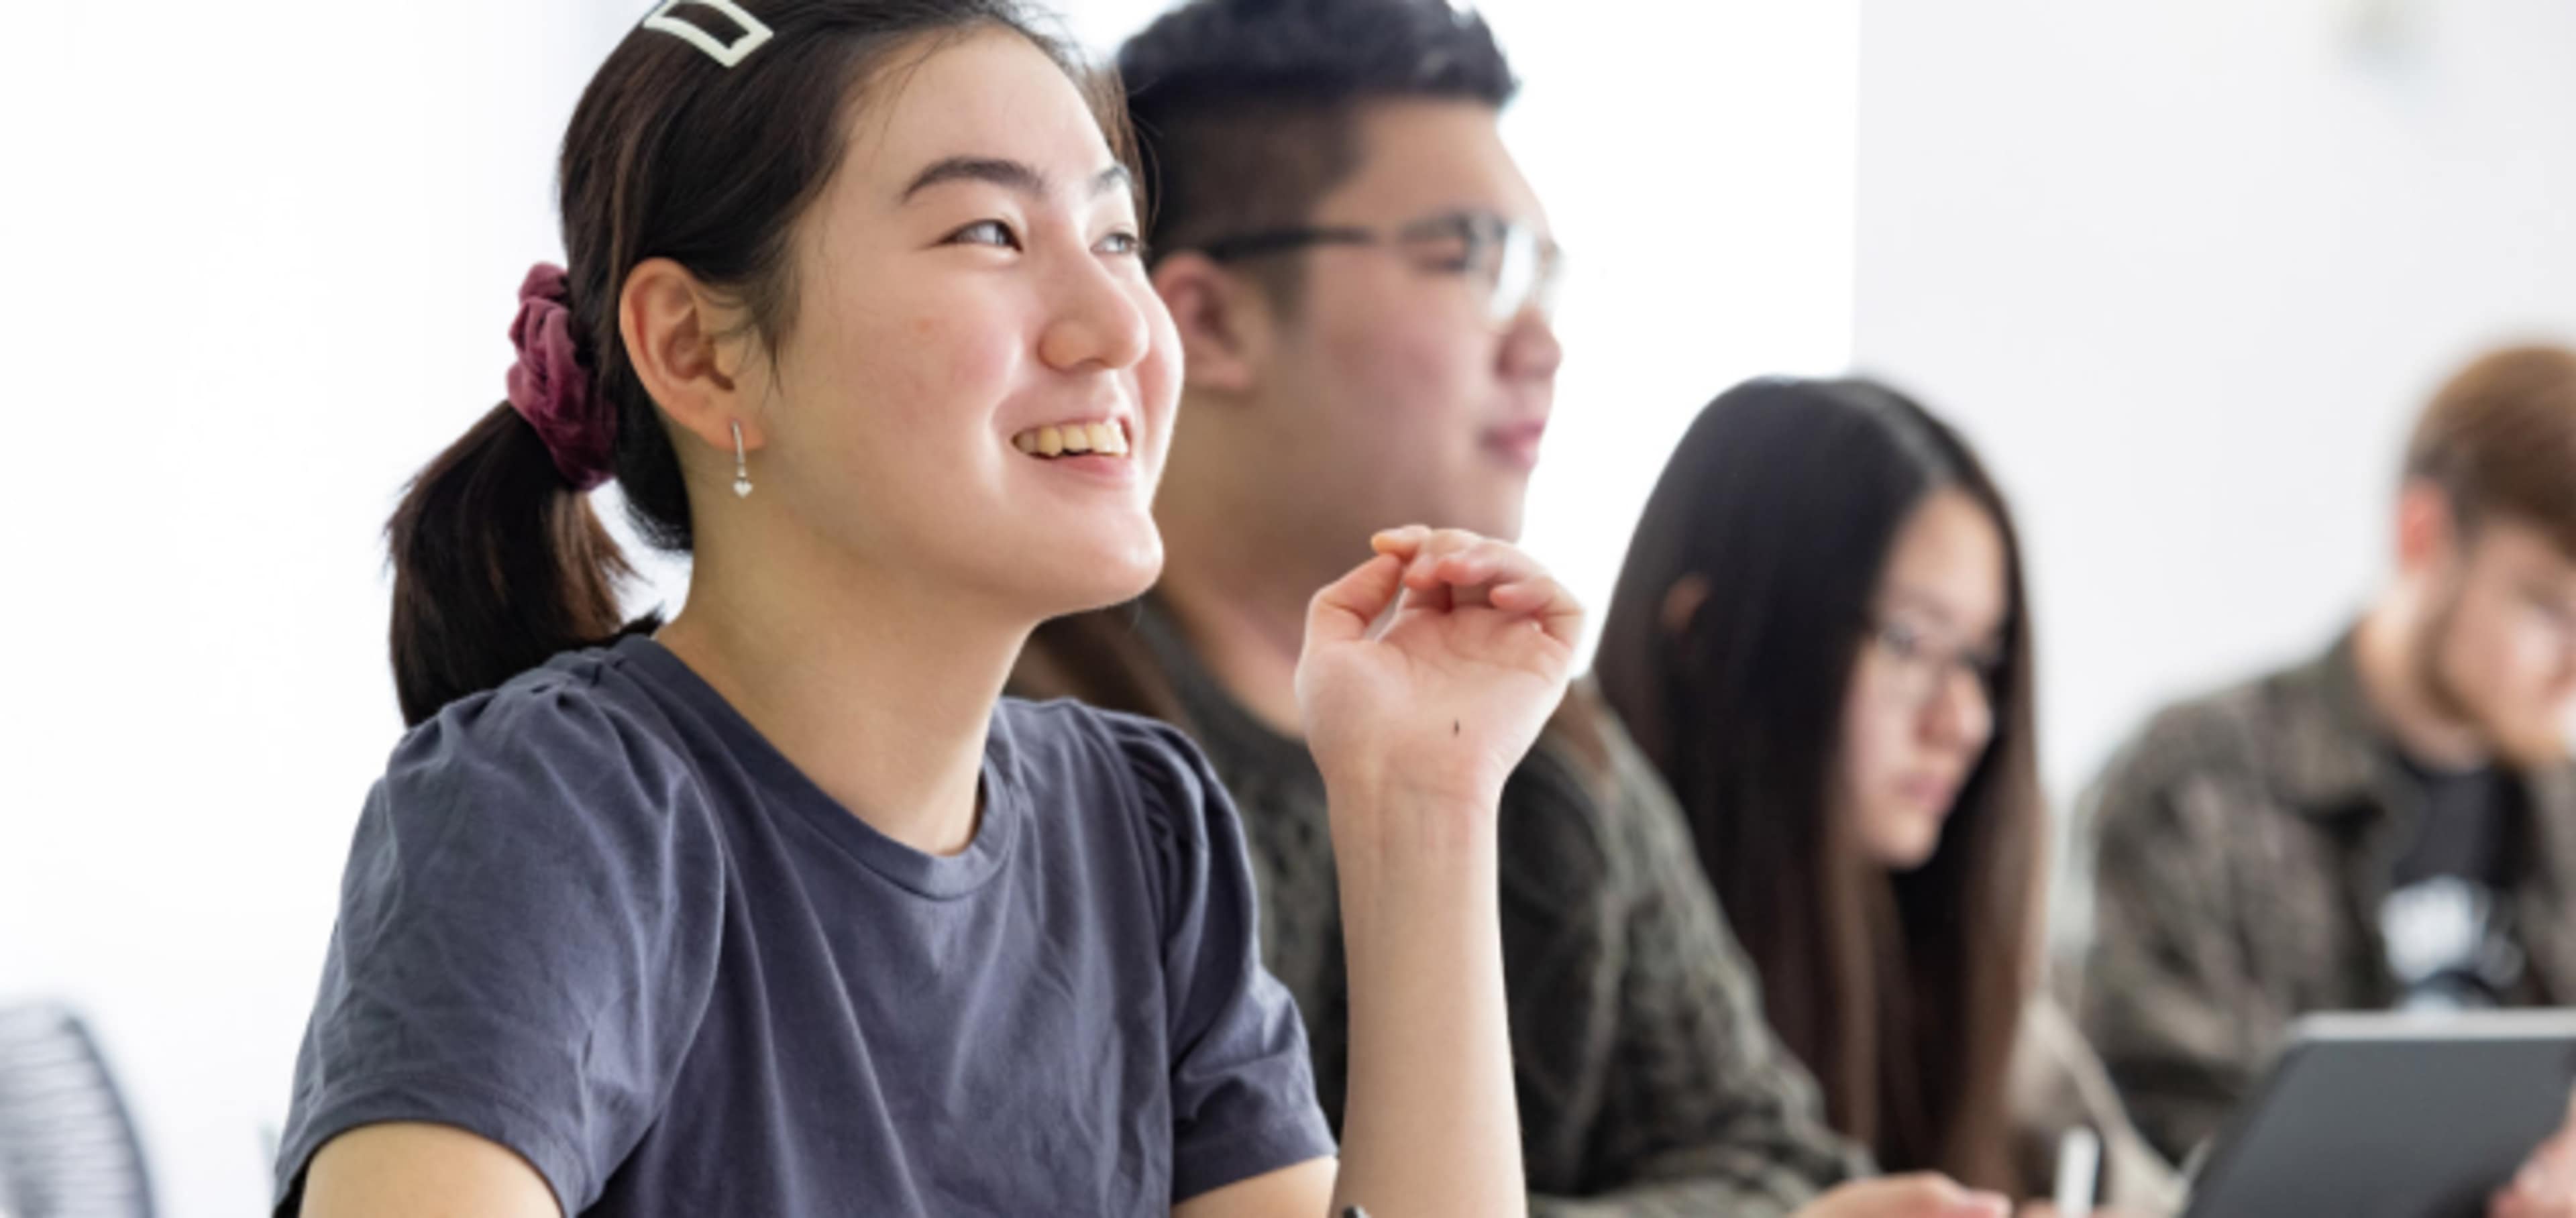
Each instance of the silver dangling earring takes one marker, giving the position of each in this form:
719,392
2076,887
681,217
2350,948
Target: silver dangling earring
741,465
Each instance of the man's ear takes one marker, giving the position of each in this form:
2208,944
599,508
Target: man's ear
1225,321
1682,602
2428,535
689,348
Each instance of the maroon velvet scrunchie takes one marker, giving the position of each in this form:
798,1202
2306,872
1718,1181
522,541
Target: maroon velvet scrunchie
551,388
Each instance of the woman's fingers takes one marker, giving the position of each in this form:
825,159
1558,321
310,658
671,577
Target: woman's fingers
1344,610
1444,569
1400,542
1421,546
1441,548
1545,601
1463,560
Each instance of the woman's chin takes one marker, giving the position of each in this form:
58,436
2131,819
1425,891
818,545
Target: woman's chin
1904,843
1090,578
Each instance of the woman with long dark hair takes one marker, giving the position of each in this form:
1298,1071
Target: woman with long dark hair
778,908
1821,636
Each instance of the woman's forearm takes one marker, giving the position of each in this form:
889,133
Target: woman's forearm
1431,1126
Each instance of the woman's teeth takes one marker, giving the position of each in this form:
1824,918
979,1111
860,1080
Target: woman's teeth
1070,439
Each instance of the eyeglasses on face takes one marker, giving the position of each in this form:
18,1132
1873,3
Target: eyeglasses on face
1517,268
1922,669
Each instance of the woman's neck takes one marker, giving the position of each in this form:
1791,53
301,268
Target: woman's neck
880,691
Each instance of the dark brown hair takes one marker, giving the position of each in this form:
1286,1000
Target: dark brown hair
1247,110
2500,440
498,562
1902,992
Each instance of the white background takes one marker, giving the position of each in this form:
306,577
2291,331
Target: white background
2183,268
262,265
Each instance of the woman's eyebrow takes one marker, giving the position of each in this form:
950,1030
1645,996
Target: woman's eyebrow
1905,598
1017,177
1010,175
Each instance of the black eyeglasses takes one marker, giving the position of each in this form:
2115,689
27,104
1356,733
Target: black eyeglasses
1921,670
1517,267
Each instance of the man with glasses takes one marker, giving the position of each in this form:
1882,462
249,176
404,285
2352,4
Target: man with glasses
2390,825
1362,280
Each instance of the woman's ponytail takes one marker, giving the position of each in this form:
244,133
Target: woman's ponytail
498,560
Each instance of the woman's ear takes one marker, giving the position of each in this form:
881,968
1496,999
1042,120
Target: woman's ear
689,348
1682,602
1224,321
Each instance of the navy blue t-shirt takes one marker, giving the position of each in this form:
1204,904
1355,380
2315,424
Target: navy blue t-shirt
596,918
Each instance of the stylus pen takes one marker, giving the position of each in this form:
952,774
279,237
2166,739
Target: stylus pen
2079,1162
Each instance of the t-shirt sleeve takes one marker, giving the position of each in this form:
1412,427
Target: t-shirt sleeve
1243,1084
525,944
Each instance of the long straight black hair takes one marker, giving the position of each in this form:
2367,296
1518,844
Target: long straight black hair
1902,992
498,561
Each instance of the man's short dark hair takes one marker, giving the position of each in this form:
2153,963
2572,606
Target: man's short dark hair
1246,110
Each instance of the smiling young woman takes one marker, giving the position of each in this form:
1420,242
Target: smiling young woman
779,907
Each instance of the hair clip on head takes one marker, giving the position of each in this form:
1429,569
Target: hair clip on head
754,34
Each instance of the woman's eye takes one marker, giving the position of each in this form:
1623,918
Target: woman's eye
986,232
1122,244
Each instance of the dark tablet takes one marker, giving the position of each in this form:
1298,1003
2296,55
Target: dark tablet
2393,1116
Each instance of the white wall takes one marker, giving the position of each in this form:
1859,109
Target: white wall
261,270
2185,270
261,263
1698,161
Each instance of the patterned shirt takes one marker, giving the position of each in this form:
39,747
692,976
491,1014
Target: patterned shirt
1649,1081
2248,845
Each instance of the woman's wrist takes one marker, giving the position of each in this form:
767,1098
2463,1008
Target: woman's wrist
1407,830
1413,865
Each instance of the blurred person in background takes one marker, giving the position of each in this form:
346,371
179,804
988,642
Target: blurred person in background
1361,275
1821,637
2389,825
